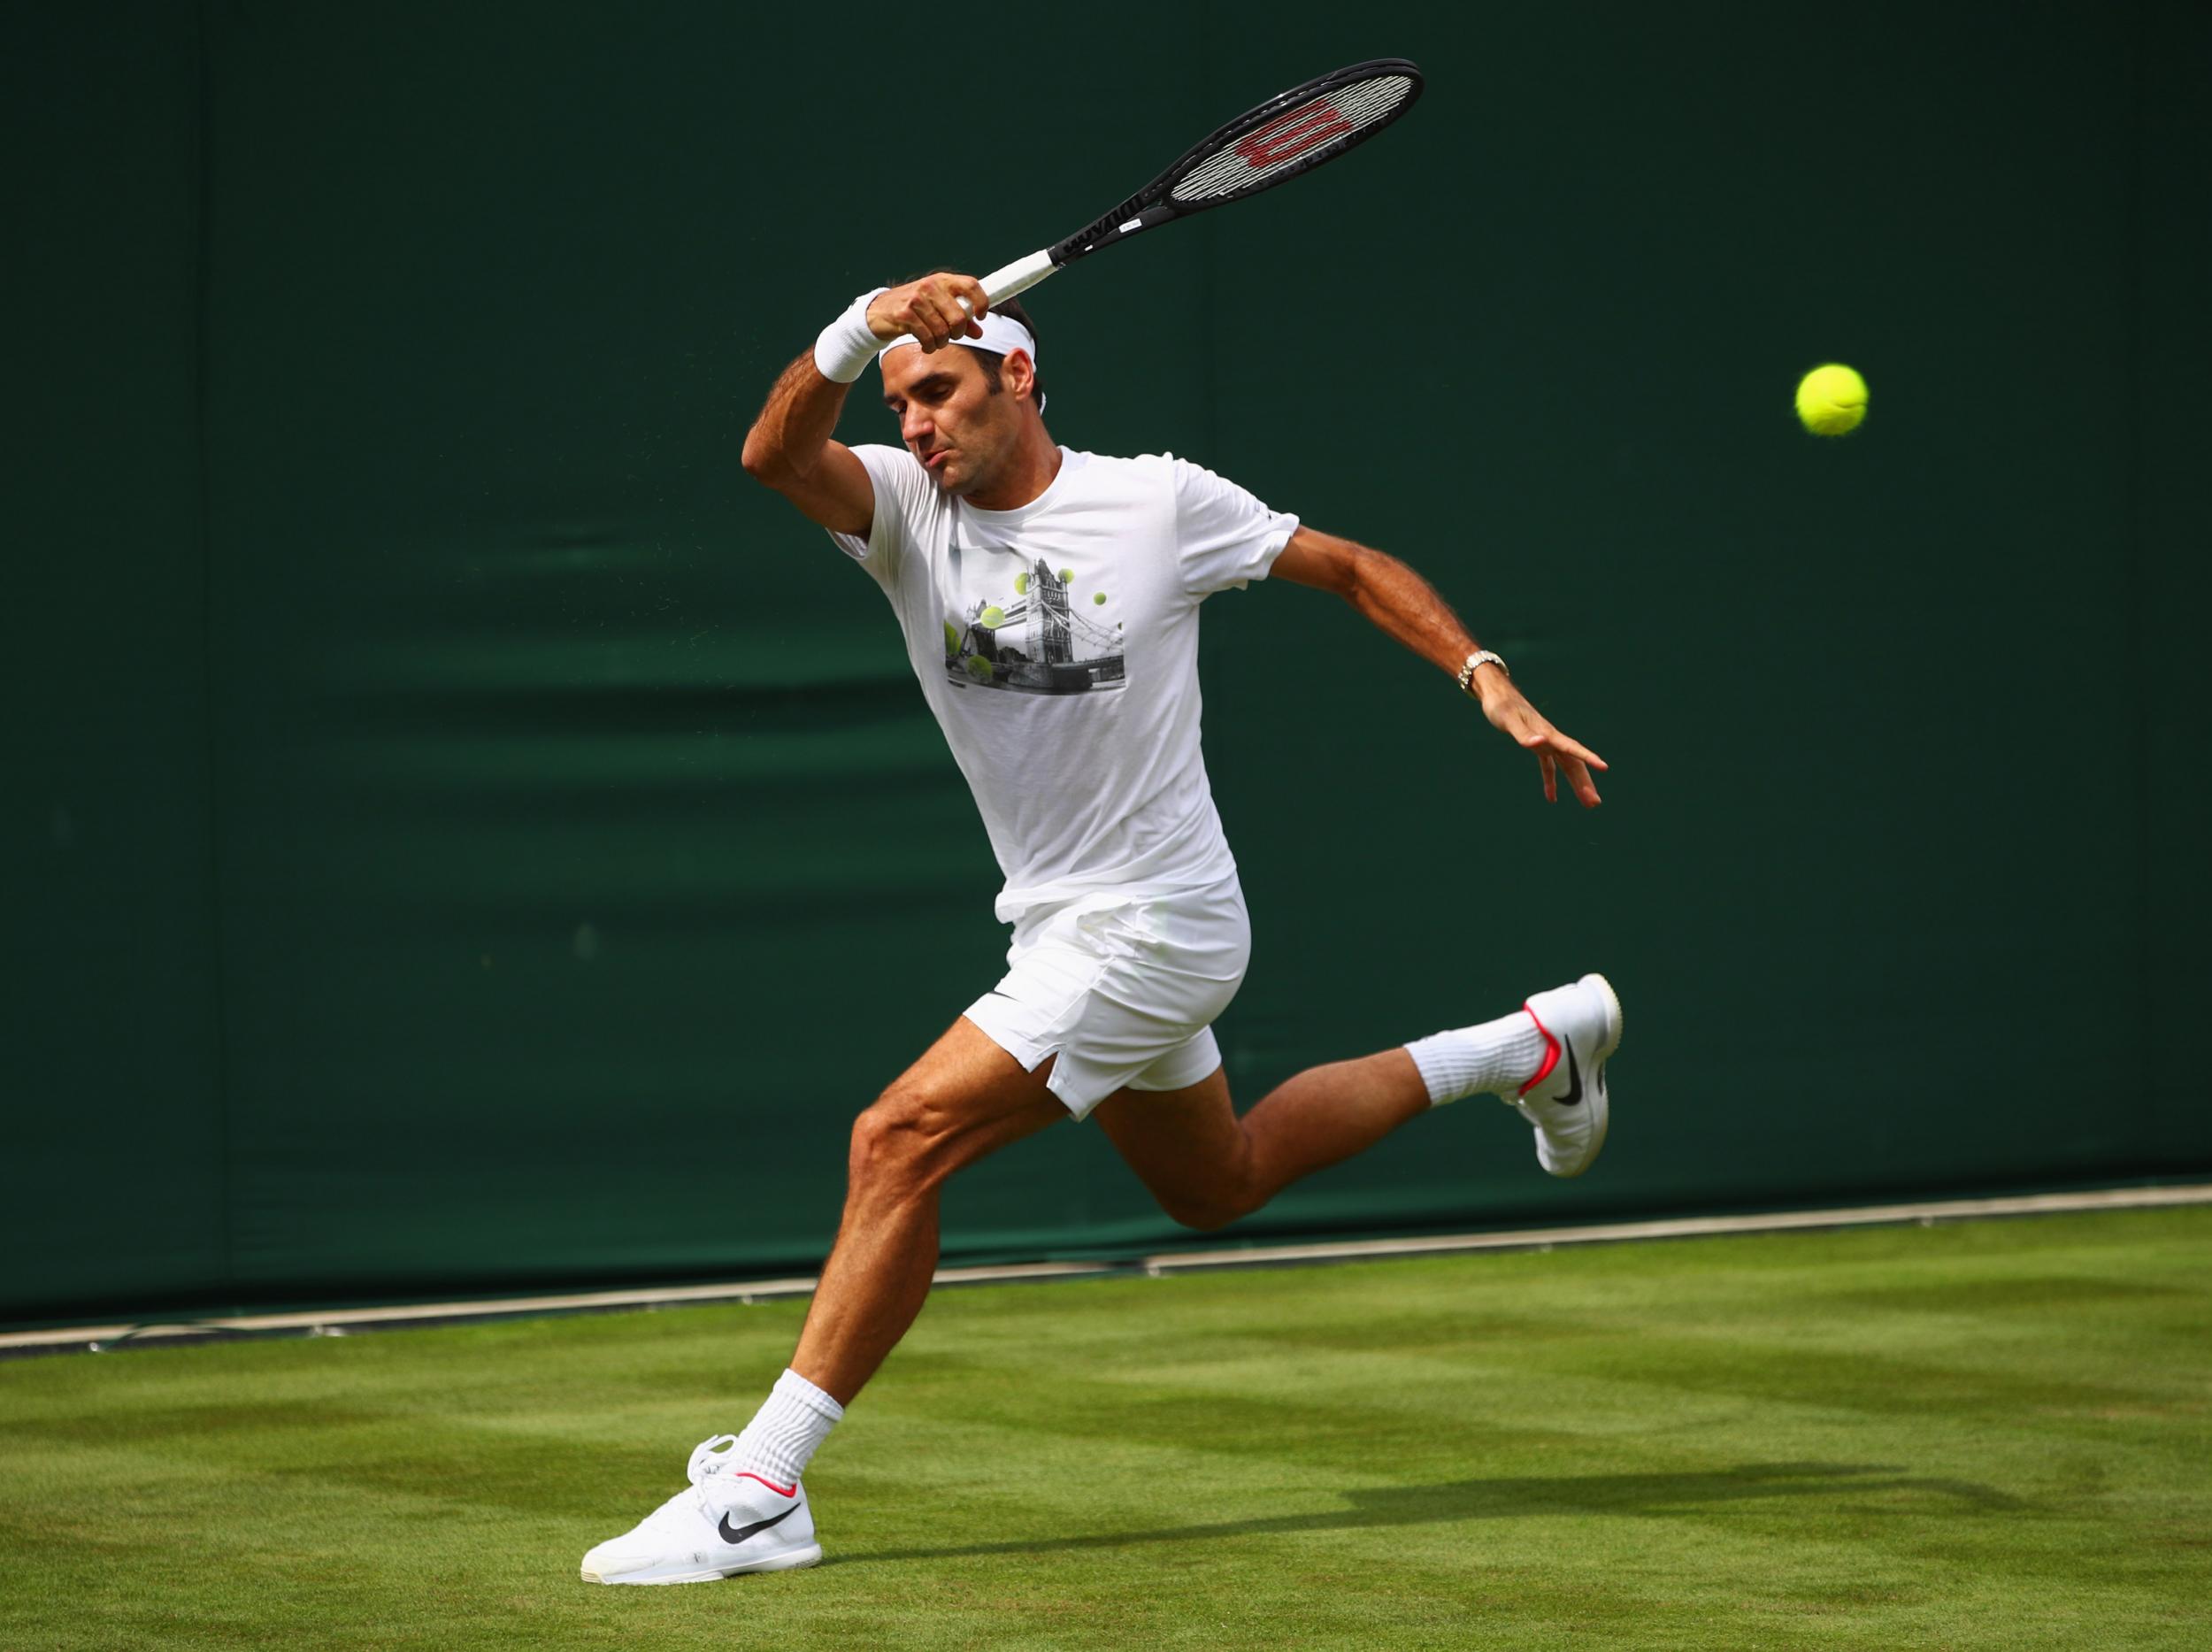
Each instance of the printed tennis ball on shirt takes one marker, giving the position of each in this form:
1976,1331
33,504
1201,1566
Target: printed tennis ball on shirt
1044,640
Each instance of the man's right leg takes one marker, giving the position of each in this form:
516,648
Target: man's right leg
746,1510
962,1100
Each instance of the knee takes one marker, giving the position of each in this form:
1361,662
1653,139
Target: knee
896,1142
1205,1209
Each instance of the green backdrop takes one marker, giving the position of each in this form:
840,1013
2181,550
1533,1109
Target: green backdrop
464,835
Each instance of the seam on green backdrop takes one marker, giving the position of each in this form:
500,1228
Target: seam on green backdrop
2148,1041
203,170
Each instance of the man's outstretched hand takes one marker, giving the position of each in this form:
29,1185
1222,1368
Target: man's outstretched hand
1509,712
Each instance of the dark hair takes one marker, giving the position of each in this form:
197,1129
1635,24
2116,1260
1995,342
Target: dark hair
992,362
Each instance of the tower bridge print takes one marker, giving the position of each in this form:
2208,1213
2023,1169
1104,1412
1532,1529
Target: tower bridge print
1035,644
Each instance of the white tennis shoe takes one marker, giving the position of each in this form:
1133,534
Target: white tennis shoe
725,1522
1566,1100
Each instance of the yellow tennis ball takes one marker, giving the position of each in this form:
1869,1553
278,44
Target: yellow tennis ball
1832,400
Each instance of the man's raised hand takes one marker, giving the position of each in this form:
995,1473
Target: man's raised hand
1509,712
930,309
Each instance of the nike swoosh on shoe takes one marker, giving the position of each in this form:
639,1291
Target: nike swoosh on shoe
1573,1097
753,1529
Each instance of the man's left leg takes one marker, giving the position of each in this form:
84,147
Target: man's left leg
1206,1166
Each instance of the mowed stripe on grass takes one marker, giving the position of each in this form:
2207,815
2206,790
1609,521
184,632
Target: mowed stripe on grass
1980,1435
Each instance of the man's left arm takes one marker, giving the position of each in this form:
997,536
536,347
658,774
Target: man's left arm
1403,605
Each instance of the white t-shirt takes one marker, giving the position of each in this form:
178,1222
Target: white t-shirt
1057,644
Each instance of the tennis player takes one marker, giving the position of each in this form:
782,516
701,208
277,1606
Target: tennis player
1050,600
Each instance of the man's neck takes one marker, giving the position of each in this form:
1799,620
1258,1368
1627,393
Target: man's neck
1033,465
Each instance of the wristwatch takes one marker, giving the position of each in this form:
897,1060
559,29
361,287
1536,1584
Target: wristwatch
1475,661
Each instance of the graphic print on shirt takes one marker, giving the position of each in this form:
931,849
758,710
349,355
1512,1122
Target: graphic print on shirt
1034,637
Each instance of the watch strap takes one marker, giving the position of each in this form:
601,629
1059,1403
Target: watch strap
1474,662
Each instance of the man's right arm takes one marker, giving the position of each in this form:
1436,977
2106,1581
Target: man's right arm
790,449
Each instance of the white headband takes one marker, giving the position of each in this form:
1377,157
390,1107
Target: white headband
1002,335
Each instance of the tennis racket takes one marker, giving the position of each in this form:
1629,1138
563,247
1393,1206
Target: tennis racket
1288,135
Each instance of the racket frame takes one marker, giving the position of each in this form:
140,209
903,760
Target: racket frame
1154,204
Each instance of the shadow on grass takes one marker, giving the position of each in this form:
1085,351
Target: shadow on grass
1511,1499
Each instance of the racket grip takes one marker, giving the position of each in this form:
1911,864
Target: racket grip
1017,276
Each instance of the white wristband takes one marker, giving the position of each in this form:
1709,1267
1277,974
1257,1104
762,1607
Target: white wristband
845,346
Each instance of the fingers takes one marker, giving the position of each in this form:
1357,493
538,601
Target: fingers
1586,789
1578,781
1576,749
937,320
1554,751
958,301
973,298
939,310
1550,739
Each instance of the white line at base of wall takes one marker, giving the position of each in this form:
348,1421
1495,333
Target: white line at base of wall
340,1322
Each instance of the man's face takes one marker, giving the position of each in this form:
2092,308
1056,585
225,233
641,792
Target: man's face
948,417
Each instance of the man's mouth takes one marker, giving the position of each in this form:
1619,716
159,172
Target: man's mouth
935,461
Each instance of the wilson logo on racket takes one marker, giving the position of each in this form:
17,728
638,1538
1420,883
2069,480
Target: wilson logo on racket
1294,134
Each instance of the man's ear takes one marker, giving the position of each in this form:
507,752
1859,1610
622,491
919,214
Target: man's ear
1019,374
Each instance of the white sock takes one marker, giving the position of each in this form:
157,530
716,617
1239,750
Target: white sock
785,1432
1497,1057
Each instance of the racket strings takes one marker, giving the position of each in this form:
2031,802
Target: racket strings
1309,134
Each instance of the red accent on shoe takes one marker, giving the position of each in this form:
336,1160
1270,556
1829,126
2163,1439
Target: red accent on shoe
781,1491
1551,1053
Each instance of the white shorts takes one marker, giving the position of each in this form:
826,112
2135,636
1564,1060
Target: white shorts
1122,987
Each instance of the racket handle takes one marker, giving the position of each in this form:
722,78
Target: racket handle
1017,276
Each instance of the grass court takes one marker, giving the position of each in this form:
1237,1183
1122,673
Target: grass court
1989,1434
